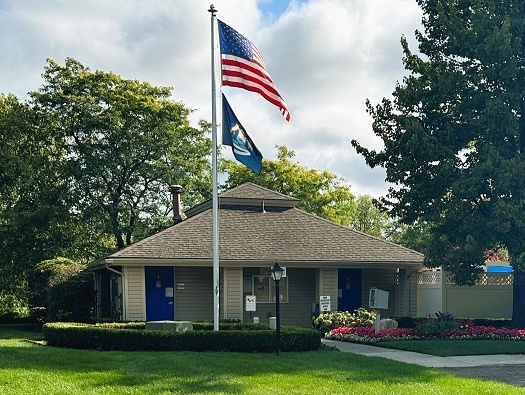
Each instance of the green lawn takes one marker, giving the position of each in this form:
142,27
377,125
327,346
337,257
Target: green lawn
448,348
27,368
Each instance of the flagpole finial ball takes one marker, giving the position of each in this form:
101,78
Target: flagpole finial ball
212,9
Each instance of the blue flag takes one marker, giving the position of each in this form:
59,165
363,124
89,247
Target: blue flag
234,135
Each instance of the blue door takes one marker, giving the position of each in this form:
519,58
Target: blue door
350,288
160,304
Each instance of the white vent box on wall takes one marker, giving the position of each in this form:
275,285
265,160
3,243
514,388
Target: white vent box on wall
378,299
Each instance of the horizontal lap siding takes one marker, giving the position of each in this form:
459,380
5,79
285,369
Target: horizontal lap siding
384,279
233,302
402,294
412,281
301,294
135,293
329,286
194,294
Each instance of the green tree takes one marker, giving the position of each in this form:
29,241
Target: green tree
126,141
454,137
34,206
64,288
319,192
415,236
369,218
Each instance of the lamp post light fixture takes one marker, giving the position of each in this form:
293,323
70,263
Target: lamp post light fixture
277,273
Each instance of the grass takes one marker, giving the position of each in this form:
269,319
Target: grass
20,331
449,348
27,368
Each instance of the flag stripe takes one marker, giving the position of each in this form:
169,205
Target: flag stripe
243,66
244,84
230,62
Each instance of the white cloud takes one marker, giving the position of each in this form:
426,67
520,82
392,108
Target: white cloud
326,57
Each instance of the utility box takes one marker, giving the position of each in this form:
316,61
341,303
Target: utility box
176,326
273,322
378,299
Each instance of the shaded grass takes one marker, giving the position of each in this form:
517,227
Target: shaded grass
21,331
26,368
449,348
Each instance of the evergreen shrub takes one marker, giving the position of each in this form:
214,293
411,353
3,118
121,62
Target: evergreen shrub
107,337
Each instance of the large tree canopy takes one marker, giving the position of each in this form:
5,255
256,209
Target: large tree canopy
34,204
454,136
85,167
125,142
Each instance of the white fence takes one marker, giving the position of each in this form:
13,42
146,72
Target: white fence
491,297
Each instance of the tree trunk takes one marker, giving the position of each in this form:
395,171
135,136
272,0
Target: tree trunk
518,298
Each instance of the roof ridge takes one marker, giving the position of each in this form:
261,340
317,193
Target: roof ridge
231,192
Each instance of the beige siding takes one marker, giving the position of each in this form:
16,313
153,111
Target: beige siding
328,286
384,279
317,284
406,294
194,294
412,292
401,297
135,294
232,301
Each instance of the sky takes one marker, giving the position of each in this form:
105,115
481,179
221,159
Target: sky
327,57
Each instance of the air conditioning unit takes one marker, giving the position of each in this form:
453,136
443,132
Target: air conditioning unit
378,299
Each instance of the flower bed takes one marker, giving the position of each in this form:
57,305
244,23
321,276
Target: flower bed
368,335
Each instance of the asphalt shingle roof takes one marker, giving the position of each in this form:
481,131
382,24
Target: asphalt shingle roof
280,233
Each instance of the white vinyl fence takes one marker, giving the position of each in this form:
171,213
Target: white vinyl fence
491,297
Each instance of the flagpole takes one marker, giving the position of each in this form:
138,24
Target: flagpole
215,202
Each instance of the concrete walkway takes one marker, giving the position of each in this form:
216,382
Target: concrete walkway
427,360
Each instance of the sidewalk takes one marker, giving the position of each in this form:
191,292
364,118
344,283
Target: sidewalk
427,360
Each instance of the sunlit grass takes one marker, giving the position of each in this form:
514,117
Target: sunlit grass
447,348
28,368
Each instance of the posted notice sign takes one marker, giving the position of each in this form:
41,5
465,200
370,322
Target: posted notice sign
251,304
324,303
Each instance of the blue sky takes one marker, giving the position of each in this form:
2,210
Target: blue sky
326,57
273,9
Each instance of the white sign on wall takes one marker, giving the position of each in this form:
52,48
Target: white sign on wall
324,303
251,303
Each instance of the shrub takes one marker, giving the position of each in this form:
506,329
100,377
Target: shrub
436,327
73,299
121,337
13,308
409,322
493,322
200,326
335,319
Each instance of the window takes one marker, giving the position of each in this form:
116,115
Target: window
263,287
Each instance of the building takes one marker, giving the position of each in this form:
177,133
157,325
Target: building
168,276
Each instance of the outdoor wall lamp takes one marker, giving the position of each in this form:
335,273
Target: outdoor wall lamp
277,273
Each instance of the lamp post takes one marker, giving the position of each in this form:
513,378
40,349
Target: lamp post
277,273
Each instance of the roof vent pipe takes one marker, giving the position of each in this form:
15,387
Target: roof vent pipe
176,191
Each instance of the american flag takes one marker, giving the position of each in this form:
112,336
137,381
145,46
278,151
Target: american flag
243,67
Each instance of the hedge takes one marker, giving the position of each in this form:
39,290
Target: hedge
412,322
105,337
